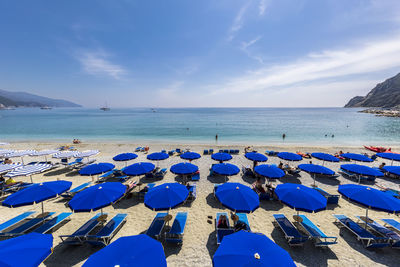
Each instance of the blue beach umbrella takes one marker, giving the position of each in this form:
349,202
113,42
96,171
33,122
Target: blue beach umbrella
220,156
26,250
389,156
140,168
184,168
250,249
225,169
237,197
392,169
125,157
37,193
314,169
166,196
97,168
97,197
190,155
254,156
300,197
361,170
137,250
157,156
356,157
325,157
269,171
289,156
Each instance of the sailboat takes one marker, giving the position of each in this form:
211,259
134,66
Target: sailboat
105,107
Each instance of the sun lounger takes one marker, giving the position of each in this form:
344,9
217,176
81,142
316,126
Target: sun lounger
320,239
247,171
196,177
161,173
75,162
392,223
79,236
104,236
192,192
25,227
292,235
205,152
243,218
221,232
359,178
157,225
175,235
178,150
211,151
143,191
382,230
368,239
48,226
331,199
71,193
14,221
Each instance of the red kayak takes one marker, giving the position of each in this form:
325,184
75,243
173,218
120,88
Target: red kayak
378,149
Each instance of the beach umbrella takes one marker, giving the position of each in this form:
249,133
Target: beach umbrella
325,157
4,152
221,156
250,249
190,155
237,197
20,153
44,153
26,250
125,157
96,168
289,156
314,169
97,197
157,156
300,197
140,168
37,193
166,196
8,167
361,170
64,154
137,250
184,168
370,198
389,156
269,171
86,154
29,170
357,157
390,169
3,143
225,169
255,156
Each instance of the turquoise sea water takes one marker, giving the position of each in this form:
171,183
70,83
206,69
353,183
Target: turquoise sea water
200,125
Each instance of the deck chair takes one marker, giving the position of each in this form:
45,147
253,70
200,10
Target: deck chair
138,149
171,152
175,235
143,192
104,236
221,232
382,230
71,193
392,223
243,218
196,177
292,235
79,236
157,225
192,192
49,226
205,152
331,199
14,221
161,173
75,162
367,238
319,237
30,224
211,151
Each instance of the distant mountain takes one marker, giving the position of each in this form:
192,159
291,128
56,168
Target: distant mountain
384,95
18,99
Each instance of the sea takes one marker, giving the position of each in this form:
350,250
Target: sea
302,126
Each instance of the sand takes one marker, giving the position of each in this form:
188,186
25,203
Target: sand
199,243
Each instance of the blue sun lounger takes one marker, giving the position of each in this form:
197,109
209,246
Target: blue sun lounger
14,221
75,190
30,224
221,232
392,223
157,225
48,226
175,235
104,236
195,177
143,192
320,239
367,238
243,218
79,236
382,230
292,235
331,199
192,192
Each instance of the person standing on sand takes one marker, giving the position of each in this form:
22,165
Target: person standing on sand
216,138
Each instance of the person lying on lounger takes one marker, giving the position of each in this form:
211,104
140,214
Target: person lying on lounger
222,222
7,161
258,187
382,165
239,225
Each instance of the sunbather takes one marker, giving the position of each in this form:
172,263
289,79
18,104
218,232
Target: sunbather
7,161
382,165
258,186
239,225
280,166
222,222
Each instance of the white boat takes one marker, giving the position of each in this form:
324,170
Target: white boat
105,108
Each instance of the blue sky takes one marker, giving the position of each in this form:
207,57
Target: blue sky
199,53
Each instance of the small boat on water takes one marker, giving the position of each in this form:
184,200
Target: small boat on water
105,107
45,107
378,149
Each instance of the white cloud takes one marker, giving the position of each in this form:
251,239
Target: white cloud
262,6
245,48
238,21
97,63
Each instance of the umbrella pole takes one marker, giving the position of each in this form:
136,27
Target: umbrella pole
366,218
31,179
314,179
42,209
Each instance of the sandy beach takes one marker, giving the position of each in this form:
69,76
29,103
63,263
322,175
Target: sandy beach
199,243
